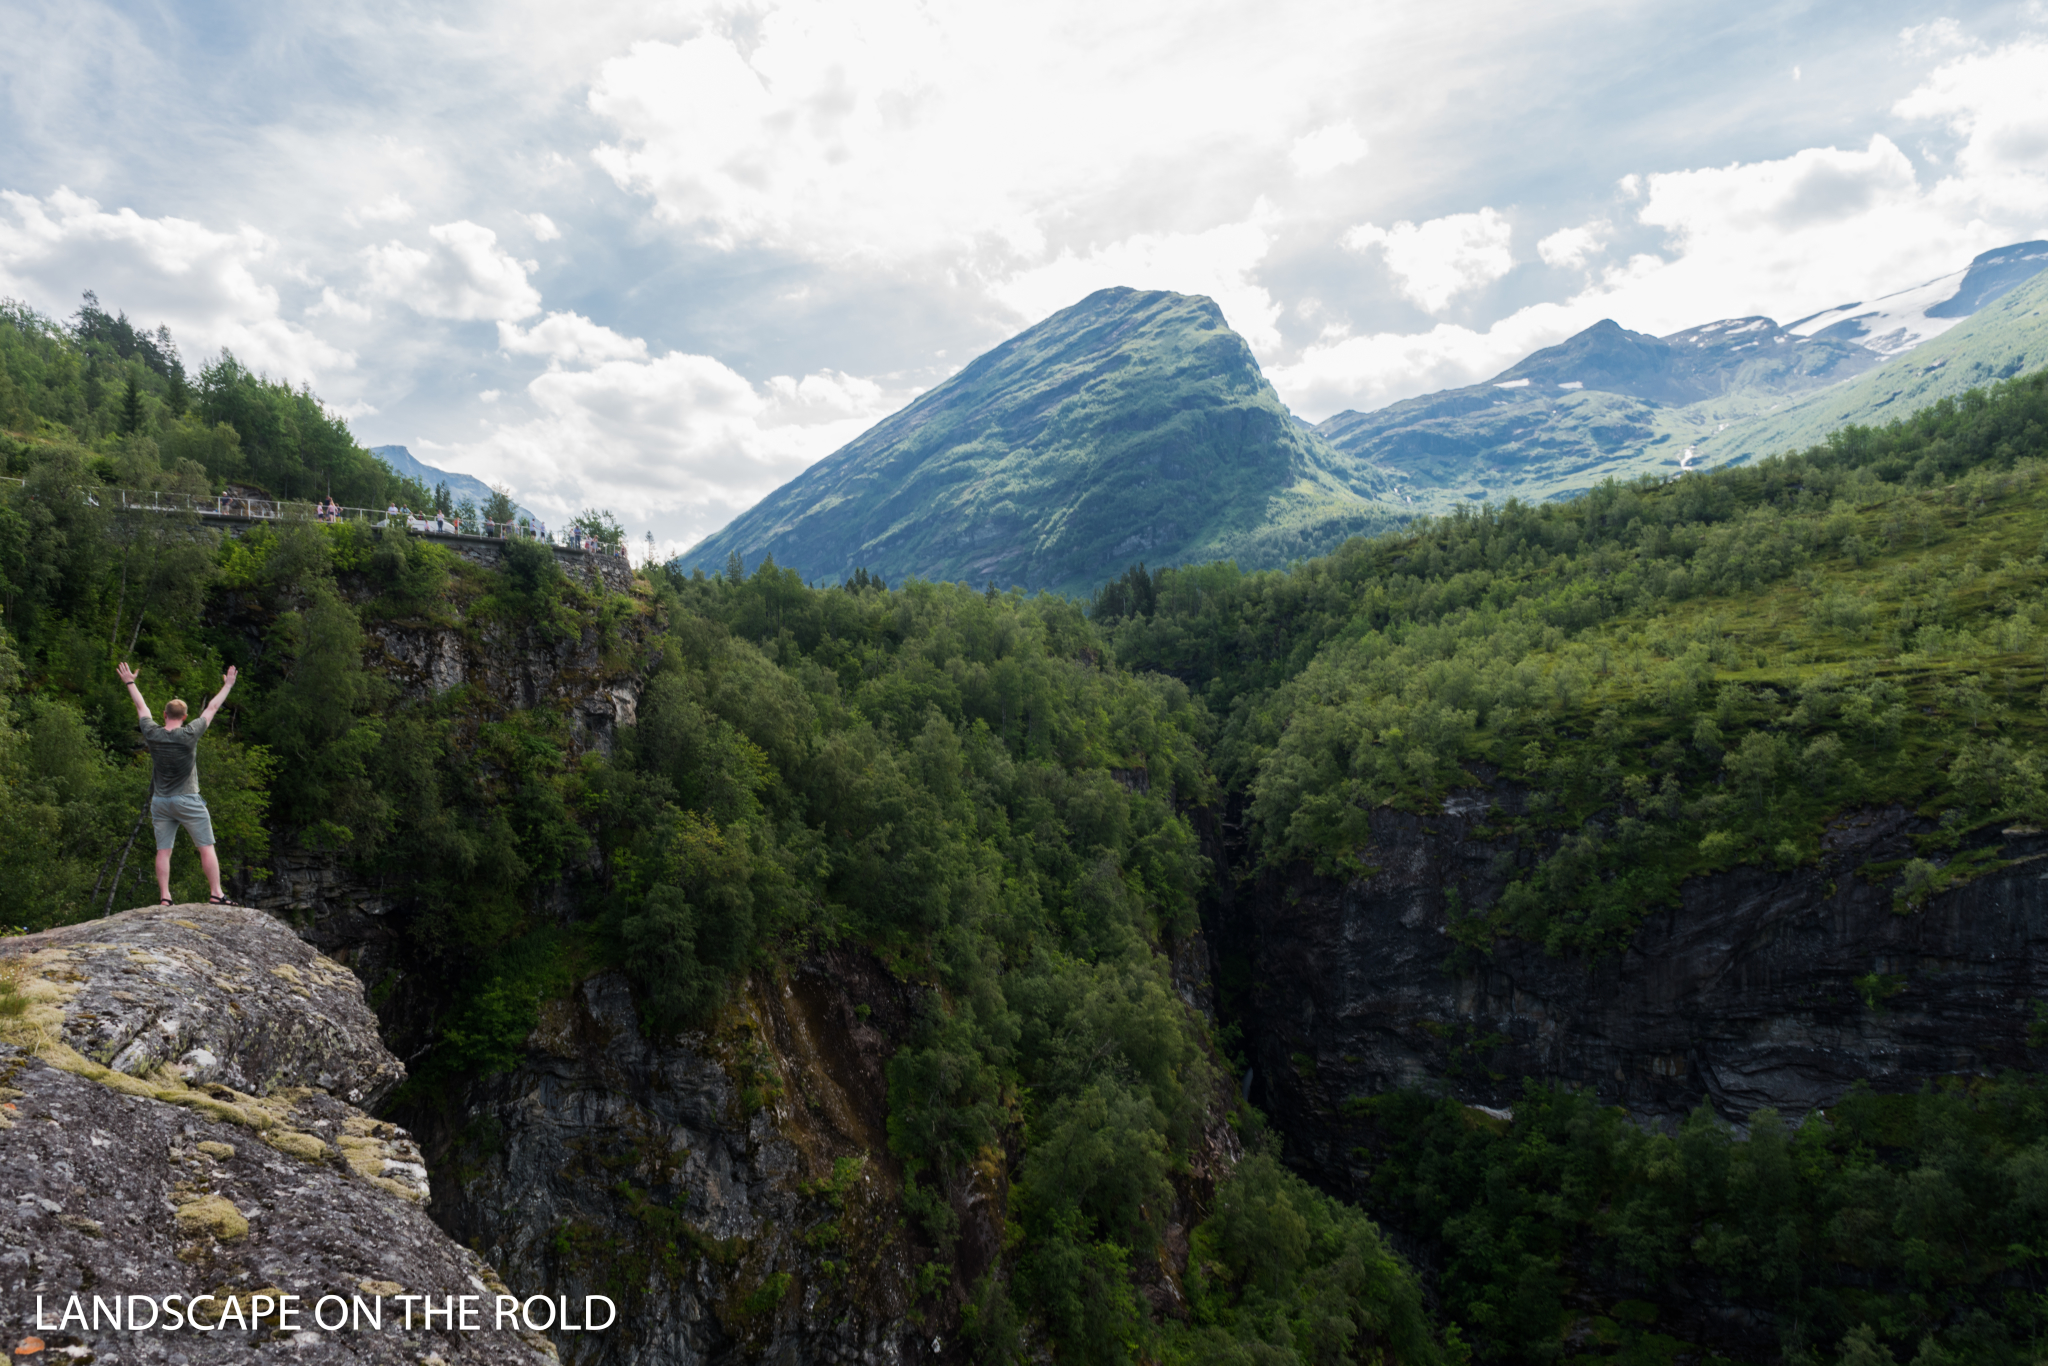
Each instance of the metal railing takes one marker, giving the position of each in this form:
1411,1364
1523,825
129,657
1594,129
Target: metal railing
254,508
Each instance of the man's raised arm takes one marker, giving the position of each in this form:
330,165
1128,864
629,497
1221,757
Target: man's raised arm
134,693
227,686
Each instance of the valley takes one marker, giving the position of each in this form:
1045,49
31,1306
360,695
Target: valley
1597,928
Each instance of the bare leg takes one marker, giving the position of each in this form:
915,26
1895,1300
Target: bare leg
209,863
163,873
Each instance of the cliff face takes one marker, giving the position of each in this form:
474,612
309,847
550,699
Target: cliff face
732,1188
182,1118
1763,988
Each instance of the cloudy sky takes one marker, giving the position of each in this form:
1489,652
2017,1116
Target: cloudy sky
658,258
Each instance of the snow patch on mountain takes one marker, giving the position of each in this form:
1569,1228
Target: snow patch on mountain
1897,323
1890,325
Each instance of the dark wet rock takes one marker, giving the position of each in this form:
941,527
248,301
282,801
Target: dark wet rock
171,1124
732,1186
1763,988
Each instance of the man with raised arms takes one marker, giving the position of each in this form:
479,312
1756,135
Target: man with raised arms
174,798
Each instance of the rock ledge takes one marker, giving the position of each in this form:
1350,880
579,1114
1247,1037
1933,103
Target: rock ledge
179,1117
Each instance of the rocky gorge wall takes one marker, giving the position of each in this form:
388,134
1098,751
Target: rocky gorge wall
1763,988
733,1187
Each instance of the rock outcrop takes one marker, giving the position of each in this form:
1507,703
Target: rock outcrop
1763,988
180,1117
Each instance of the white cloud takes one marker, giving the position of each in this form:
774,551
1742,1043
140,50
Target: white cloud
333,305
679,442
392,208
544,229
490,395
463,275
1935,36
1998,103
1435,261
890,130
1371,371
212,288
825,137
1327,148
1569,248
569,339
1218,263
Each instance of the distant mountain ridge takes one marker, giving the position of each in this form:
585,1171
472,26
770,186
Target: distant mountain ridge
403,461
1899,322
2001,339
1609,402
1134,425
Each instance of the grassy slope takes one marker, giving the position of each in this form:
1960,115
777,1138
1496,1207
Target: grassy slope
1130,426
2007,337
1697,675
1644,402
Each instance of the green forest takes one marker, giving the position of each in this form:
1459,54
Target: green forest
930,772
994,793
1688,676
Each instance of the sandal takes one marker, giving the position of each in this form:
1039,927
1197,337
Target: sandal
166,902
219,901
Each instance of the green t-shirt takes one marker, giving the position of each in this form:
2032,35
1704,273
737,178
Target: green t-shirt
174,757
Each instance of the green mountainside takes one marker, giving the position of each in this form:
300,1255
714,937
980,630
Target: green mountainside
1133,425
2009,337
1609,403
1605,402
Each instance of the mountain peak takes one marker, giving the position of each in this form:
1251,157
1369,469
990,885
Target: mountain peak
1605,356
1133,424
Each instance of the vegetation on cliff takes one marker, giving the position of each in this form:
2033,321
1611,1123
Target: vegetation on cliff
1685,676
1691,674
962,783
1904,1221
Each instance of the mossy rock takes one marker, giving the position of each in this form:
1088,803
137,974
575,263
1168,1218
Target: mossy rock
213,1214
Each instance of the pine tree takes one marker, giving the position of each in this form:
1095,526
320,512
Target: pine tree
131,408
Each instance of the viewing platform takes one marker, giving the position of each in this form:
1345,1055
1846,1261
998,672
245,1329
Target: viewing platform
236,513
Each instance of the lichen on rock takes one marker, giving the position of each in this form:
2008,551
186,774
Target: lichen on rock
139,1167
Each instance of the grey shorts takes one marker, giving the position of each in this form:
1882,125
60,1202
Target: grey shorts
188,810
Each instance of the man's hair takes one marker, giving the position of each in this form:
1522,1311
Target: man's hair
174,710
